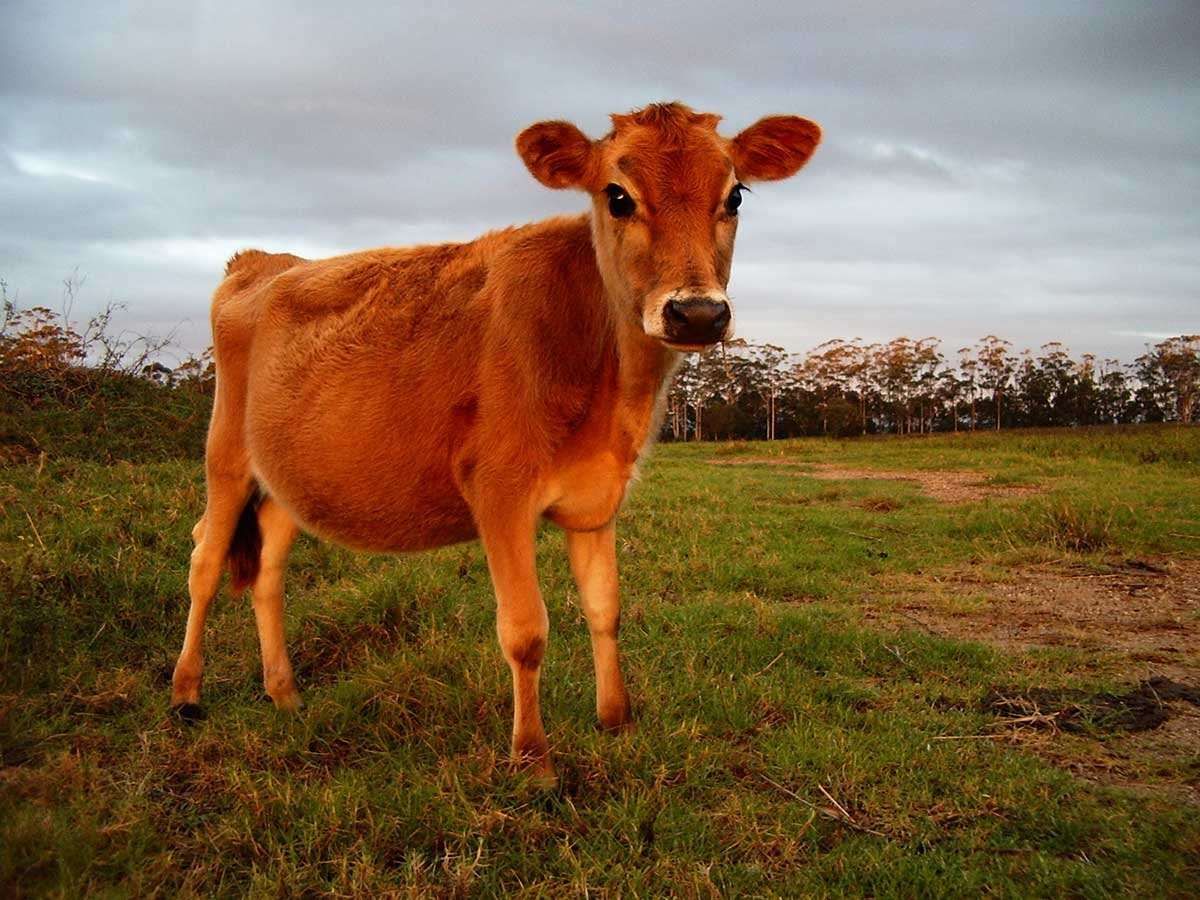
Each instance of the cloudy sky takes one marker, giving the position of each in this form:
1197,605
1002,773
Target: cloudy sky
1030,169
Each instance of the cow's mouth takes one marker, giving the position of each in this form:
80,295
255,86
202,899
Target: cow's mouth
688,348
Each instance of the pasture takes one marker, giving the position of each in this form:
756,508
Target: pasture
980,677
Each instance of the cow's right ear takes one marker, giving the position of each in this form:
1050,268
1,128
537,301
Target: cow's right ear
558,154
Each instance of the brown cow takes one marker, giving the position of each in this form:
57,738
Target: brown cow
401,399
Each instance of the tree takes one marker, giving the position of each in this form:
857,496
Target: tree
996,368
969,380
769,368
1171,373
1113,396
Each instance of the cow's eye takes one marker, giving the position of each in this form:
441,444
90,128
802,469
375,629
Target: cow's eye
734,200
620,204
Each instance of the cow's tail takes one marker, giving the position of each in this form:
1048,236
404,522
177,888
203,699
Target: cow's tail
245,550
244,259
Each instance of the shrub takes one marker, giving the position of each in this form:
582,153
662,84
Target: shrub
88,390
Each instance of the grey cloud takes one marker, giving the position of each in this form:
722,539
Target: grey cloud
1027,169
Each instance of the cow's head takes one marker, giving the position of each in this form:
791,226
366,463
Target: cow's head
665,193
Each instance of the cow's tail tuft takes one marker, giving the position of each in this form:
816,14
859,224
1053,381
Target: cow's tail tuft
245,550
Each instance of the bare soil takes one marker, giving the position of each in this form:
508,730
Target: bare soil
1142,622
942,485
947,486
1146,612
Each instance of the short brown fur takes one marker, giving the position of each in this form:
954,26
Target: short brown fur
407,398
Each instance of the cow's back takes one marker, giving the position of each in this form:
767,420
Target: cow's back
356,366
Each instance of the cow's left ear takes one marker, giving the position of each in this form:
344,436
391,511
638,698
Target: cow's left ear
773,148
558,154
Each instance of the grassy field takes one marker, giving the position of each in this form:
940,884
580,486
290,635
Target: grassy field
843,684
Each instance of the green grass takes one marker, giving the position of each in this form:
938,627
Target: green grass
765,693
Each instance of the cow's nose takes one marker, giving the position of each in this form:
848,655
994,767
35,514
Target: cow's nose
695,320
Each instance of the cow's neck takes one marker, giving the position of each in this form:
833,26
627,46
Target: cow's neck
644,364
603,357
643,367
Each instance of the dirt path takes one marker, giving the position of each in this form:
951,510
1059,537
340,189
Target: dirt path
947,486
944,485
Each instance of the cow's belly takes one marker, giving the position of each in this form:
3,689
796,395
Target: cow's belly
356,480
389,516
384,509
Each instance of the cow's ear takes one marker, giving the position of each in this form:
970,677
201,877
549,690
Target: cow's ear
773,148
558,154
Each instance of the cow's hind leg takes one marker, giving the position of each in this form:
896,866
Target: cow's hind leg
229,485
227,497
278,533
198,531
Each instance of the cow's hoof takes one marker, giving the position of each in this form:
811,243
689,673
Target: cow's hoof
542,775
189,713
535,763
289,702
617,723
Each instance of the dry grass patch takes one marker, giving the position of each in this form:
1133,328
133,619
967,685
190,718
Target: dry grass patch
1143,707
881,504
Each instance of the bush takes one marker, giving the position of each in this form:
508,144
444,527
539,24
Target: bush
90,392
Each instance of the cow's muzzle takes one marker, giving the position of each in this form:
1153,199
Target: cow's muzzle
695,320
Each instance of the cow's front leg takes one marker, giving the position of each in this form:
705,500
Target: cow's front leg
522,626
593,556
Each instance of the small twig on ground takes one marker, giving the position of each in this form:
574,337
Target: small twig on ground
833,800
768,665
859,534
1036,718
924,627
838,814
968,737
36,534
1031,714
103,625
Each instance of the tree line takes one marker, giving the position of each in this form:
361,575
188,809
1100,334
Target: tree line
740,390
847,387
